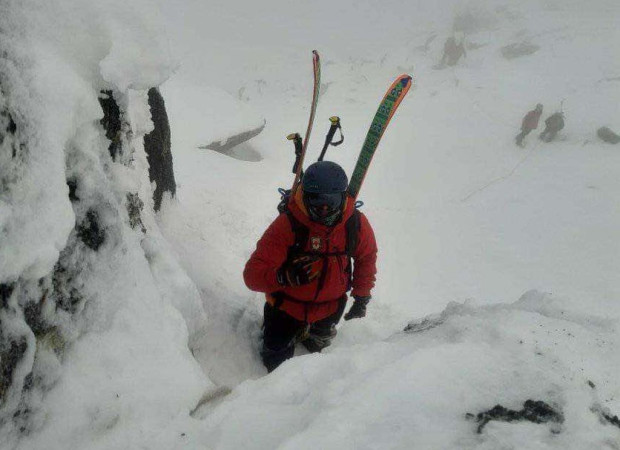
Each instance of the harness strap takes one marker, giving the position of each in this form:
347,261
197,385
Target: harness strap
302,234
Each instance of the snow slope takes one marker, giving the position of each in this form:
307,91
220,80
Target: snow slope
460,213
505,259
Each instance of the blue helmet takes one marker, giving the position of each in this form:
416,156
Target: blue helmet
324,188
325,177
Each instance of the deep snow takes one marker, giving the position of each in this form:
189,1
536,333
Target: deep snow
512,252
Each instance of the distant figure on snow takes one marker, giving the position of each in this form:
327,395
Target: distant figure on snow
553,124
453,49
530,122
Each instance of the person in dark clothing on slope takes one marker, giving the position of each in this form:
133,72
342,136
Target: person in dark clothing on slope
305,265
529,123
553,124
452,51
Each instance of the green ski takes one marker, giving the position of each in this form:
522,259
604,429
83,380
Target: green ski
387,108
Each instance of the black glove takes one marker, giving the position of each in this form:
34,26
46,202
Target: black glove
358,309
299,271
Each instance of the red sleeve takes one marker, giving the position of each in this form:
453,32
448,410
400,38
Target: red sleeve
527,121
365,260
271,251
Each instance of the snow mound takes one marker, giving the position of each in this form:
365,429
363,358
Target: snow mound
415,388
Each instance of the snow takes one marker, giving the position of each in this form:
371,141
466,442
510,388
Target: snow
503,261
203,106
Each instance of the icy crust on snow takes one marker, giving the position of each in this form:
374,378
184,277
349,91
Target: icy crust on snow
97,312
414,389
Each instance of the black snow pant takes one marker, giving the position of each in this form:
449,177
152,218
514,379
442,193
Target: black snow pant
521,136
548,134
281,332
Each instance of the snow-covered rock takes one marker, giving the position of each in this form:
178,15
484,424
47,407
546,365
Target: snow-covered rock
96,315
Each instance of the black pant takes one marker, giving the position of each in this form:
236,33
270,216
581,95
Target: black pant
281,332
520,136
548,134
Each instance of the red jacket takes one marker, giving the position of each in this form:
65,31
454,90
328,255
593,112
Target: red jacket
309,303
530,121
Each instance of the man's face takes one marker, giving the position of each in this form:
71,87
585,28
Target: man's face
324,208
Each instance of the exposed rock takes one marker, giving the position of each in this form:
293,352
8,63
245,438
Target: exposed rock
34,316
41,314
535,411
158,149
66,294
605,415
134,207
6,290
10,148
607,135
111,122
90,232
11,353
72,183
517,50
224,145
7,126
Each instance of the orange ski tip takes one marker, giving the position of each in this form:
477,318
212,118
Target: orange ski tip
405,79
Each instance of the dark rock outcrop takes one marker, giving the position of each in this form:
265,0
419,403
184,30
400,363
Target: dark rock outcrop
605,134
237,146
517,50
111,122
535,411
224,145
158,149
89,231
134,207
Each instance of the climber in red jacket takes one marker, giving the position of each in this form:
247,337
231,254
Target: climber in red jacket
530,122
307,260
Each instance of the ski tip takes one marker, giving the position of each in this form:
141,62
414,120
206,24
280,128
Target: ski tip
405,79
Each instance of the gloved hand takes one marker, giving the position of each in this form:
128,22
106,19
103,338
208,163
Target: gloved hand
358,309
300,271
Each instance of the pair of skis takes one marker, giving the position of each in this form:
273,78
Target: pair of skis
388,106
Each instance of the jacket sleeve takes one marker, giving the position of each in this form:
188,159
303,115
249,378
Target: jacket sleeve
529,122
524,122
271,251
365,260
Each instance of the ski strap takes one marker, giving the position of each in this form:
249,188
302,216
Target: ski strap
296,138
335,126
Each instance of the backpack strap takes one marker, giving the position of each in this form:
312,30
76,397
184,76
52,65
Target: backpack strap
352,227
301,233
352,230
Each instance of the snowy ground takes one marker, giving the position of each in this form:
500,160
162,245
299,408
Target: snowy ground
460,212
514,253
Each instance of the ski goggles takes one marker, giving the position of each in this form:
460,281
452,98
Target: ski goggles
332,201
